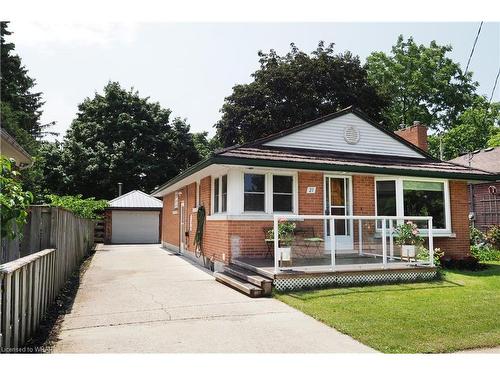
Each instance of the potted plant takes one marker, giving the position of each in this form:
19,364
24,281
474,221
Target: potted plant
407,236
285,239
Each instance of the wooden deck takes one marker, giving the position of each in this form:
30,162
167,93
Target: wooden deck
345,263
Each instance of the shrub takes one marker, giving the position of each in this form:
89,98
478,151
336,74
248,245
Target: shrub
14,201
423,255
485,253
476,236
493,236
468,263
89,208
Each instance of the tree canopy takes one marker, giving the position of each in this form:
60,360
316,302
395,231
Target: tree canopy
295,88
420,83
119,136
475,129
20,105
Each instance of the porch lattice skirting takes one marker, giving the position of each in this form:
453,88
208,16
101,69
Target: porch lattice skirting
311,281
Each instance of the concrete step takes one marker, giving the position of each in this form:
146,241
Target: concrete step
262,282
239,284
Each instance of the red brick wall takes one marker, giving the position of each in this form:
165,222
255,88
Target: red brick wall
216,240
457,247
363,191
481,207
416,134
247,237
311,204
170,221
108,226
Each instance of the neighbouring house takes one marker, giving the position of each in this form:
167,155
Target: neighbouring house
133,217
13,150
343,182
484,197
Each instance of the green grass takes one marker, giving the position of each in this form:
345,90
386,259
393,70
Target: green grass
462,311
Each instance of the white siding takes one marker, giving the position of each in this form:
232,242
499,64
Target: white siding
329,135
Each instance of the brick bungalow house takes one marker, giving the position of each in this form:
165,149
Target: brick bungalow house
484,197
343,164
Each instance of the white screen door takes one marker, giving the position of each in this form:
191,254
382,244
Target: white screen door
338,193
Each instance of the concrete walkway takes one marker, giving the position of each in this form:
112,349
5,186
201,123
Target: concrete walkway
141,298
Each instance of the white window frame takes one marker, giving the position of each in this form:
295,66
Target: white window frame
220,212
176,200
400,199
268,191
294,193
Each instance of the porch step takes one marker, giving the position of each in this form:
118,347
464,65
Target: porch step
254,278
239,284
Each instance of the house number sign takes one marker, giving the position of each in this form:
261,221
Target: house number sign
311,190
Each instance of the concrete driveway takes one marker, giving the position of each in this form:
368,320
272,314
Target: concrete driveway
141,298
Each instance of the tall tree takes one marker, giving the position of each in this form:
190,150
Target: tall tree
473,130
20,104
295,88
118,136
204,144
421,83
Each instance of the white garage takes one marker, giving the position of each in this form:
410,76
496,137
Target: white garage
133,218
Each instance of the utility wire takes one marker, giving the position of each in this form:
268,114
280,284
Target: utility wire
473,47
494,85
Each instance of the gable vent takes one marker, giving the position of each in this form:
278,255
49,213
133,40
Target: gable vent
351,135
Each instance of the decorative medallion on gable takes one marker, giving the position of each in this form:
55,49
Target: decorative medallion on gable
351,135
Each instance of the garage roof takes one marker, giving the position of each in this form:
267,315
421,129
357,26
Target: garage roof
135,199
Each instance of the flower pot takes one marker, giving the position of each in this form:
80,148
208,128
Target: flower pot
407,251
285,259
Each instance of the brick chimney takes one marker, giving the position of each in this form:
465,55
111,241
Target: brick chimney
416,134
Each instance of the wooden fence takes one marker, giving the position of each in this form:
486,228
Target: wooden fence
30,284
35,235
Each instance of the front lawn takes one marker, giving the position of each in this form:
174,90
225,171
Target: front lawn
460,312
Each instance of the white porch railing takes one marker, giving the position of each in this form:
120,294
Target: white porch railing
361,242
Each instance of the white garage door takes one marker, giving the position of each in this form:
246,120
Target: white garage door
135,226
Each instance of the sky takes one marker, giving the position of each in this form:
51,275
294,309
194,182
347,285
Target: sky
191,67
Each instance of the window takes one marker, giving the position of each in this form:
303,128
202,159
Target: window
283,193
220,194
176,200
401,197
386,198
254,192
216,195
424,198
224,193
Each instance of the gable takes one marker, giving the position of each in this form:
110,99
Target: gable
346,133
135,199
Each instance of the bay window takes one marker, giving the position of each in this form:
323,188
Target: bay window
413,197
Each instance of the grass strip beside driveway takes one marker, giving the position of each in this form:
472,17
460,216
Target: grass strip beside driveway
459,312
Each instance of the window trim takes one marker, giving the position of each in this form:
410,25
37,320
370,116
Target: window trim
219,206
400,199
293,193
268,191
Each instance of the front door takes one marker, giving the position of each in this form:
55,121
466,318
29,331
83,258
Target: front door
338,193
